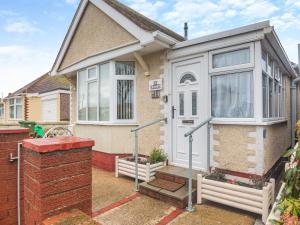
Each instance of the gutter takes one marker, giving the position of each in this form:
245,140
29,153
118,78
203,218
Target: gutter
294,100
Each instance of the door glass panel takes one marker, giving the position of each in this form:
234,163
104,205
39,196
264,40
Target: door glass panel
181,104
194,103
187,77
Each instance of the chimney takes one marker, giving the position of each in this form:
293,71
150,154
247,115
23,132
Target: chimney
186,28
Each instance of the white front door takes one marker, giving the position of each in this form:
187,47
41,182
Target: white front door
190,91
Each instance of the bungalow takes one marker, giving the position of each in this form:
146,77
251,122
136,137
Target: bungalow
126,70
45,99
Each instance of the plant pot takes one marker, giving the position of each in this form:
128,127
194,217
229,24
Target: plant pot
246,198
146,171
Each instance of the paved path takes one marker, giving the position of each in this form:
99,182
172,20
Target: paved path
115,203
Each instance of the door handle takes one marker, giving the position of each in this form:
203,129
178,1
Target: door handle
173,112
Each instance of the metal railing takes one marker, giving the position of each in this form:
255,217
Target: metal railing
190,172
136,148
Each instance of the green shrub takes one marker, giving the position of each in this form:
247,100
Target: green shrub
157,155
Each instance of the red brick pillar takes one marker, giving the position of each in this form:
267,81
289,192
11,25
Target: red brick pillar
9,139
57,177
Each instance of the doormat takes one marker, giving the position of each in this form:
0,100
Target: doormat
165,184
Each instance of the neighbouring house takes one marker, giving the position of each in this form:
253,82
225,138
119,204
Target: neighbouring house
126,70
46,99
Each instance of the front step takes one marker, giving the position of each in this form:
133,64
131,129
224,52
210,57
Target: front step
179,175
178,198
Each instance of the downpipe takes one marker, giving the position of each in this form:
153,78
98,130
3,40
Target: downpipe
11,160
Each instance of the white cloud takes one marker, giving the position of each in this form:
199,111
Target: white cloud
21,26
260,9
20,65
12,50
147,8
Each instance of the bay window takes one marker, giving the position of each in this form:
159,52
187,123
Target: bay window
273,89
15,108
98,101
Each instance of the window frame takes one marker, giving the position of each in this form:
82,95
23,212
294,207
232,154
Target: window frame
15,104
230,49
281,98
2,110
113,78
235,119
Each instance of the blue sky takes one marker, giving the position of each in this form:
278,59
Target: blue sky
31,31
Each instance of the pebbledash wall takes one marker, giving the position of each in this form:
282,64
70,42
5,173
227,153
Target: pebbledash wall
251,149
9,139
113,140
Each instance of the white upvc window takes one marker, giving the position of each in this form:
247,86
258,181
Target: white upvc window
1,110
232,95
232,83
231,58
15,108
106,93
273,89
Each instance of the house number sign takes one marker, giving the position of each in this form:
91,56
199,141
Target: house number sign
155,85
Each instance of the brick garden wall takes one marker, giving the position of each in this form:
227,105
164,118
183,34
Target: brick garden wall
8,175
57,177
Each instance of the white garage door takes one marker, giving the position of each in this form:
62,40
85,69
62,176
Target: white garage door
49,110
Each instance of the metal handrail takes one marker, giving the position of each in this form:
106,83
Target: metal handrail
197,127
190,172
148,124
136,153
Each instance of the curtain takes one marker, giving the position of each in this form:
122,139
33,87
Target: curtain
125,68
125,99
232,95
241,56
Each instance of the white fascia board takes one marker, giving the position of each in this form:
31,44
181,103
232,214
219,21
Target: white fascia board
273,39
215,44
160,36
32,95
224,34
54,92
68,37
99,58
123,21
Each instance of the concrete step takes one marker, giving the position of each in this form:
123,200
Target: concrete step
178,198
177,174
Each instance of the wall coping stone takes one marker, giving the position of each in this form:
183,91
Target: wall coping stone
45,145
14,131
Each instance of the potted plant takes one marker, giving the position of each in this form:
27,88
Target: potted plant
146,165
254,196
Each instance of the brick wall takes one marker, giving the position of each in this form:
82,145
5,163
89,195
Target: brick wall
8,175
64,107
57,177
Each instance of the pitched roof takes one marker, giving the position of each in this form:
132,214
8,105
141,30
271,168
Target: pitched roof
141,20
43,84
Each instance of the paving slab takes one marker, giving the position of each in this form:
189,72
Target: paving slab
141,211
210,214
108,189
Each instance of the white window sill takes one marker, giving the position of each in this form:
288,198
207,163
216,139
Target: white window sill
253,123
107,123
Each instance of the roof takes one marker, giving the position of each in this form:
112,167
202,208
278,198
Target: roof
141,20
44,84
